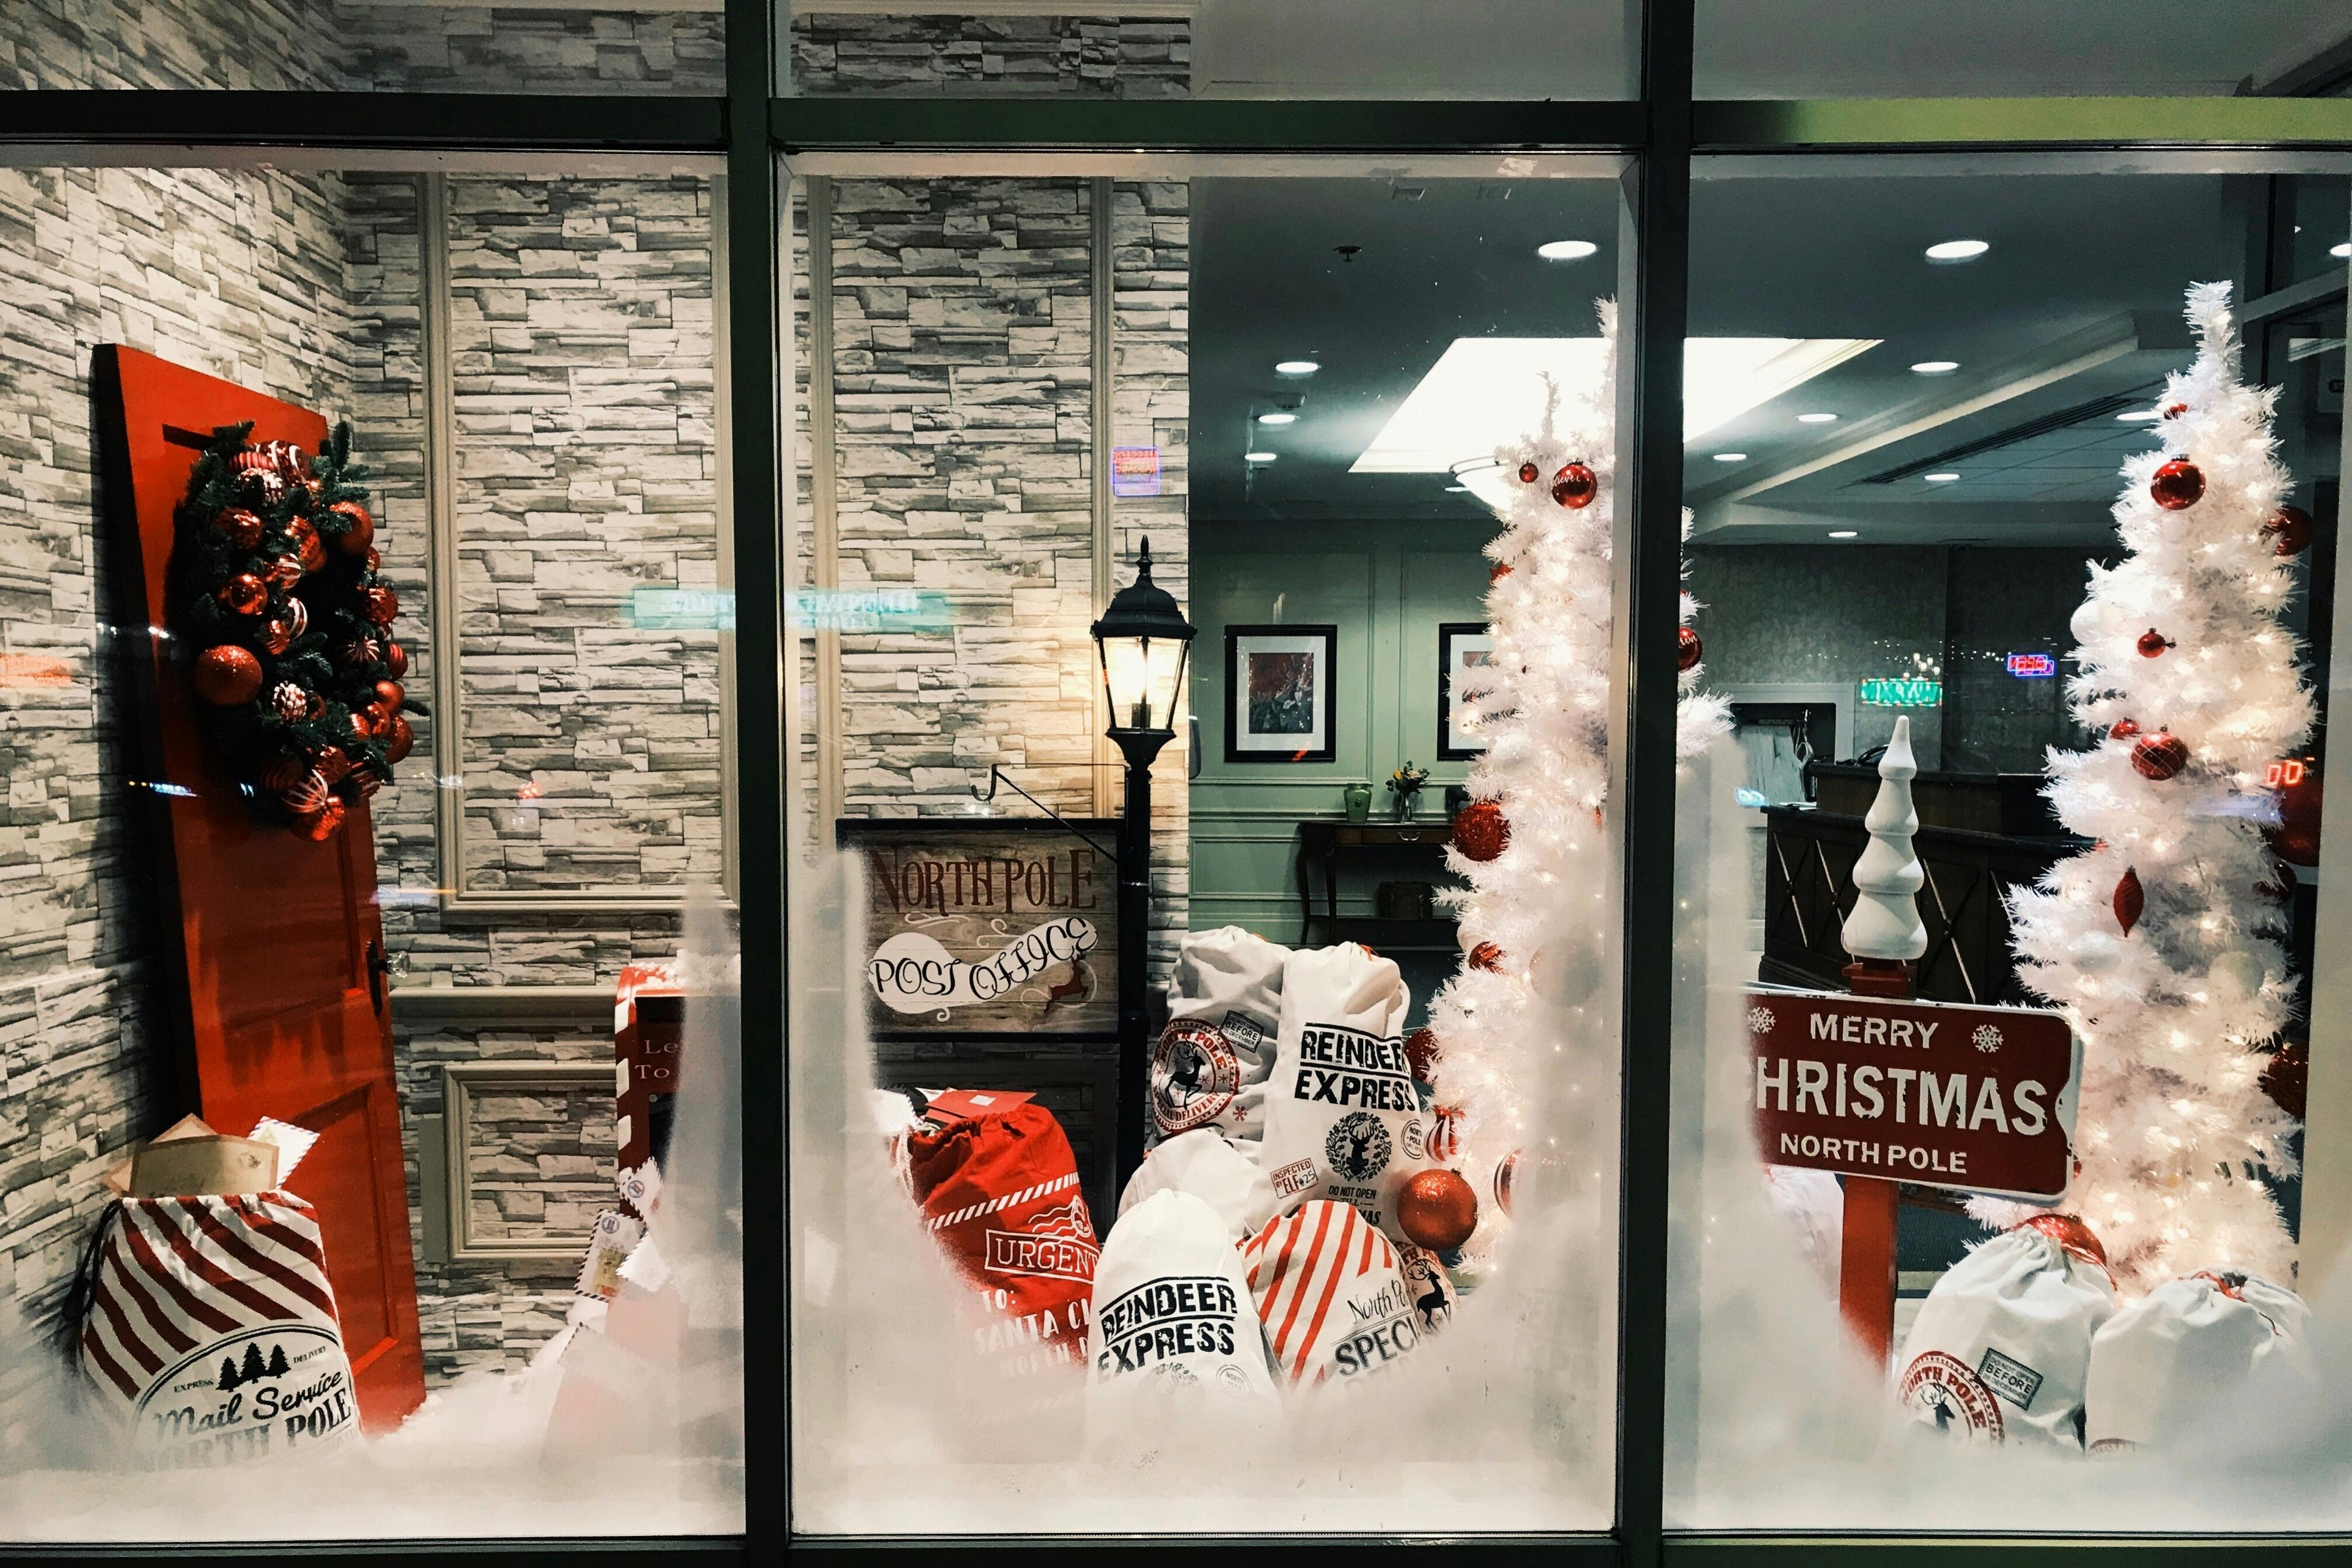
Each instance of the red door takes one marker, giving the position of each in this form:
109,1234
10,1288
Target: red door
276,942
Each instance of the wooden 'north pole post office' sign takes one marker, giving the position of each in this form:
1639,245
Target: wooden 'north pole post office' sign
988,927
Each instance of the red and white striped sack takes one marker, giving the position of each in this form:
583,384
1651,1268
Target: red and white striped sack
1332,1294
212,1330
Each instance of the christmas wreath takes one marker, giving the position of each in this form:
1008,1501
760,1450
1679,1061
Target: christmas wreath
274,586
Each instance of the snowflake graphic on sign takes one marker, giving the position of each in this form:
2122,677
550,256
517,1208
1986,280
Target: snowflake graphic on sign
1986,1038
1760,1021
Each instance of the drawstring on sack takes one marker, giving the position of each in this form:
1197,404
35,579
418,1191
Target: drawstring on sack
83,1293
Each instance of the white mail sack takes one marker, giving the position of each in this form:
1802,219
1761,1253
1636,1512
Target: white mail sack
212,1330
1333,1298
1210,1067
1172,1323
1343,1117
2002,1347
2164,1365
1211,1169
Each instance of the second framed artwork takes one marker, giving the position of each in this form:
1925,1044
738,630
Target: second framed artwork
1280,686
1462,646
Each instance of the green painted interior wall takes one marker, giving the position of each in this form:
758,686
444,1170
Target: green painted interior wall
1387,586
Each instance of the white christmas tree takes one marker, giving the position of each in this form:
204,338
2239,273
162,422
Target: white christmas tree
2158,942
1884,924
1534,917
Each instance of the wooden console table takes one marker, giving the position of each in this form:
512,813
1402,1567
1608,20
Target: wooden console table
1323,840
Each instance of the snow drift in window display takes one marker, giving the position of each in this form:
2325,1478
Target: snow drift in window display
1364,1282
2137,1354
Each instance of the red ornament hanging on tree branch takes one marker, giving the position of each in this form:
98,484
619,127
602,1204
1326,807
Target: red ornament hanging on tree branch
1437,1209
2177,485
2289,531
1481,831
2160,756
1575,486
1688,651
2152,644
2130,899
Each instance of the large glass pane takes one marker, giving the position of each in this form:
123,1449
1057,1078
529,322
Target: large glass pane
351,46
328,493
2009,1071
1527,49
2004,48
1377,1169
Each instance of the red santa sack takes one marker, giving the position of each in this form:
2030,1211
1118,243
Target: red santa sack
211,1328
999,1190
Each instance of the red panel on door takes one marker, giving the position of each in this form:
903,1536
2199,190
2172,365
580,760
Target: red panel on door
272,939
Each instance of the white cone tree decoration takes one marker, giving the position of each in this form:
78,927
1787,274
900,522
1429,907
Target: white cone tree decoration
1534,919
2158,942
1884,923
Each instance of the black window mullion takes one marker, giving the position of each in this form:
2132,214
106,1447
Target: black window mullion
1654,295
755,366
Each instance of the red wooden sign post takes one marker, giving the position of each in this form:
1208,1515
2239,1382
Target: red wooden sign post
1867,1245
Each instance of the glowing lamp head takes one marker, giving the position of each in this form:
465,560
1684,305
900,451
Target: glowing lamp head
1143,642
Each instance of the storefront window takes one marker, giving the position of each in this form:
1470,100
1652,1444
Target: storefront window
355,45
359,709
1524,49
2009,1117
1379,1120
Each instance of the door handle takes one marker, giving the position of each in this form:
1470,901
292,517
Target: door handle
378,966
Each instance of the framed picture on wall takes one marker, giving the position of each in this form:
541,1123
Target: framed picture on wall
1461,645
1280,685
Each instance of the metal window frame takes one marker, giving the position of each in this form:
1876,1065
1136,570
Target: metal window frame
1663,132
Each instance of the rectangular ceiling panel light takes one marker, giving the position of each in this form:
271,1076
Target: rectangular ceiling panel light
1486,391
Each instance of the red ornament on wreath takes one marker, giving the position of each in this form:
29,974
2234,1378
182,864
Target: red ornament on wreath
2152,644
283,774
377,719
395,659
1688,650
1488,957
1528,472
277,636
374,561
362,730
242,527
2177,485
1437,1209
401,742
243,593
359,651
2160,756
284,573
226,676
389,696
355,540
1575,486
364,782
333,764
381,605
306,796
2130,899
2289,531
306,544
287,701
1481,831
323,825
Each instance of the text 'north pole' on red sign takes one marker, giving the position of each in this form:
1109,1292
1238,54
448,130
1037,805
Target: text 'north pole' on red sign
1936,1093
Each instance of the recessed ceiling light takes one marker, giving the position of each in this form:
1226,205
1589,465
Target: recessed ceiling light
1259,456
1816,418
1731,457
1277,418
1566,250
1479,385
1457,489
2342,251
1941,478
2137,416
1842,534
1958,250
1936,367
1296,368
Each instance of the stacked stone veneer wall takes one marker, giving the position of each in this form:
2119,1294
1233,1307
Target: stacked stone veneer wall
963,364
240,275
969,56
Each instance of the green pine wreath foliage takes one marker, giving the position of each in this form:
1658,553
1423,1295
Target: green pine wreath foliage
317,734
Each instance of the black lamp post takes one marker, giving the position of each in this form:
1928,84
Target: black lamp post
1142,642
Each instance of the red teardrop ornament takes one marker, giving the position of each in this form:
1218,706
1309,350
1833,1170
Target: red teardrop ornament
2130,901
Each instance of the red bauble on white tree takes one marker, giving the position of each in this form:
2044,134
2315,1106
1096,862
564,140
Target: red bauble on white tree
2156,942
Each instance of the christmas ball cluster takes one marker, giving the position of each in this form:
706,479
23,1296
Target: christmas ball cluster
277,588
1575,486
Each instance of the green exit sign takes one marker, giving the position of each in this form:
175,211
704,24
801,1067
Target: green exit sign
1899,691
